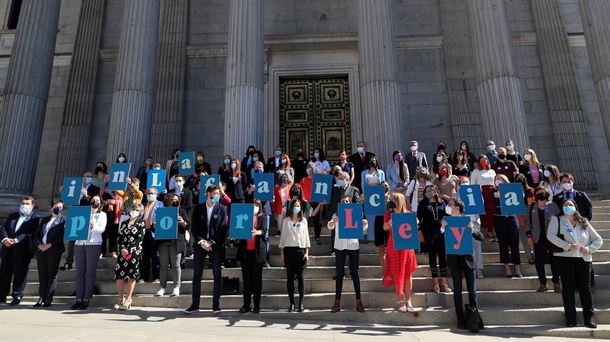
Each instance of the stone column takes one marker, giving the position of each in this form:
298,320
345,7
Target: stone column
80,95
25,98
244,115
166,129
562,93
595,17
379,91
133,98
498,85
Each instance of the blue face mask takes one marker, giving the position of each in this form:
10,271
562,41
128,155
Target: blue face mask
24,209
278,153
88,180
569,210
226,161
316,155
258,171
151,197
340,183
56,211
216,198
296,210
233,166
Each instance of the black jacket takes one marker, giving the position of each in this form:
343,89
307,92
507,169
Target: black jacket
24,235
453,259
525,170
214,230
55,236
261,244
430,227
583,202
186,199
237,191
359,166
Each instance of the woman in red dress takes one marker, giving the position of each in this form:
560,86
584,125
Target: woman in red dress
399,265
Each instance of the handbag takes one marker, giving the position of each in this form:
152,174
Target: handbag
474,322
551,247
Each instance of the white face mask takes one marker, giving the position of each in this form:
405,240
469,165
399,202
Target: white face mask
491,148
567,186
256,210
151,197
448,210
527,157
360,149
547,173
121,160
509,147
439,159
498,183
134,213
413,148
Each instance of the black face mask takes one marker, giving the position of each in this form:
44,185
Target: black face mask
391,205
98,169
95,205
250,153
175,204
502,156
373,163
541,196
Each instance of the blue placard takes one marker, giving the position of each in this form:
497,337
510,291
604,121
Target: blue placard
77,223
166,225
242,221
204,182
374,200
350,221
156,179
512,200
321,187
118,173
263,186
70,193
458,237
187,164
404,231
472,197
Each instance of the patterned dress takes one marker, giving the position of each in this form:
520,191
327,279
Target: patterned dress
130,238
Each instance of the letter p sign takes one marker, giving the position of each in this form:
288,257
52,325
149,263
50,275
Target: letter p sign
77,223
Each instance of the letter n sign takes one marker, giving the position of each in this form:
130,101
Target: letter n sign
77,223
404,231
166,226
70,193
321,187
350,221
374,200
458,237
242,221
263,186
118,174
512,200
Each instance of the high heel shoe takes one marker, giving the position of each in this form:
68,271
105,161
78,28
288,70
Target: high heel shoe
126,305
118,305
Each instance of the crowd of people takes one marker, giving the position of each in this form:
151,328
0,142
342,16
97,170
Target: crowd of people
556,228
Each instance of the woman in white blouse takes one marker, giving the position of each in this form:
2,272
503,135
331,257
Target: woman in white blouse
416,187
373,176
294,246
87,255
485,176
577,240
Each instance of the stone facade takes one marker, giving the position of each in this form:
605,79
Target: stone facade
301,37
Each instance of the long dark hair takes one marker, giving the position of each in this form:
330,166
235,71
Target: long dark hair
584,223
322,155
401,165
289,212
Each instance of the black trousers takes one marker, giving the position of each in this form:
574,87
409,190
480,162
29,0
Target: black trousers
14,266
252,273
541,257
295,265
576,275
150,258
317,226
437,256
198,265
354,265
462,269
48,266
507,232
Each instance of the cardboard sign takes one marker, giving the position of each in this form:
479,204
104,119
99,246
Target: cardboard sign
263,186
374,200
350,221
472,197
512,199
242,221
70,193
77,223
118,173
204,182
186,164
321,188
156,179
458,237
404,231
166,226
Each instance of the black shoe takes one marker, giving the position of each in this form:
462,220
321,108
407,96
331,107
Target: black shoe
46,304
256,310
461,325
84,305
76,305
66,267
591,323
191,309
3,300
38,303
16,301
571,324
301,308
244,309
291,308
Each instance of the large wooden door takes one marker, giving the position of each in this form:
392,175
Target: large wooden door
314,113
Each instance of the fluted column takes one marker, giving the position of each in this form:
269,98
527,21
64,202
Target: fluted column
171,67
80,94
461,74
133,98
379,91
596,16
25,96
562,93
498,85
245,70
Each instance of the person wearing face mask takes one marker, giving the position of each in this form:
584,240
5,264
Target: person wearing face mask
576,240
127,267
346,165
551,180
285,168
150,258
121,158
445,182
225,170
319,162
485,176
491,153
274,162
507,228
342,188
49,245
170,250
371,176
470,157
294,251
461,167
281,195
532,168
512,154
585,207
87,255
441,149
247,163
504,166
539,215
259,167
100,175
398,173
477,246
361,160
209,227
185,194
237,184
172,168
415,191
132,195
16,234
430,213
201,165
415,159
252,254
141,174
300,165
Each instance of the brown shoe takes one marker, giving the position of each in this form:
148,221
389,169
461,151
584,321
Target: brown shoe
359,306
337,307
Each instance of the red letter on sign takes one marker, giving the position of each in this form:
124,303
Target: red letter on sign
348,219
458,236
403,229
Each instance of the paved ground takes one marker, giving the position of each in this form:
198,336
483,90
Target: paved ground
148,324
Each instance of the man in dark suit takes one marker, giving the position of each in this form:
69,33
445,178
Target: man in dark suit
48,242
16,235
186,195
361,160
415,159
209,227
274,162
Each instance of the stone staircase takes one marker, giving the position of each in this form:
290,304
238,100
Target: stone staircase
512,304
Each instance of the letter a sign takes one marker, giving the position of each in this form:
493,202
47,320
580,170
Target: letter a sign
404,231
242,221
350,221
458,237
187,163
512,200
77,223
263,185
